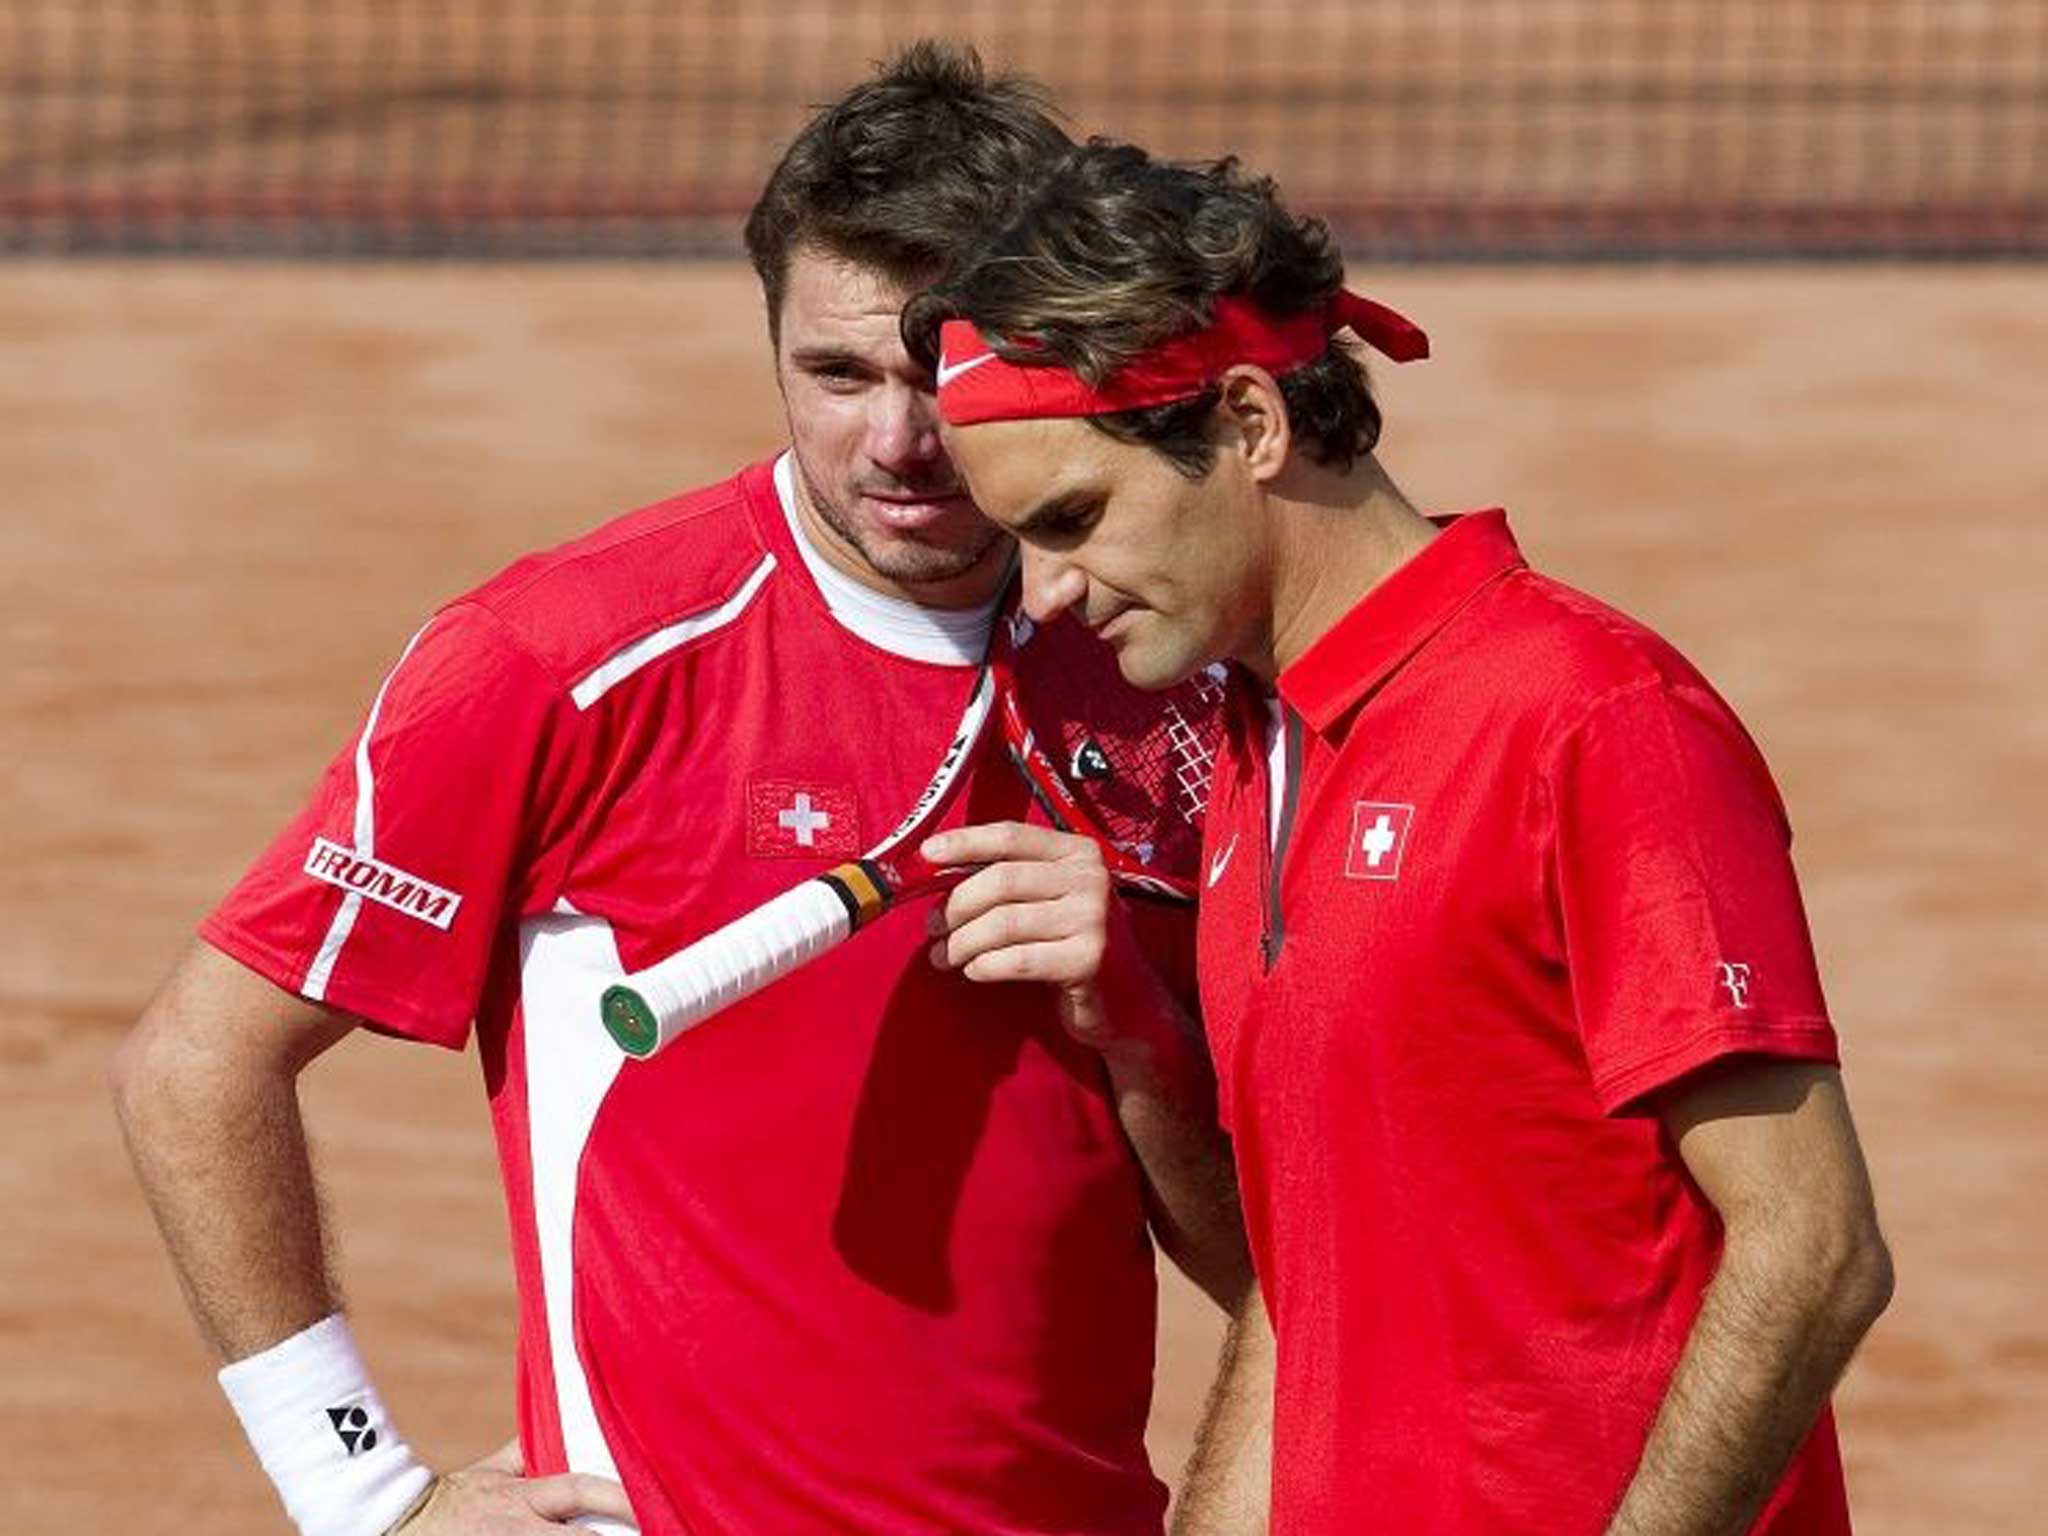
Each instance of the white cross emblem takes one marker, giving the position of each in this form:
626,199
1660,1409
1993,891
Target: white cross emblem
1378,841
1379,837
804,821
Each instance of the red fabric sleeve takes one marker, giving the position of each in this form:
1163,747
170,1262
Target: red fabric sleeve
1685,937
445,818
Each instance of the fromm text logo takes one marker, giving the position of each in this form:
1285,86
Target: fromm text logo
382,883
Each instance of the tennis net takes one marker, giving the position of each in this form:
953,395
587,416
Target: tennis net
1419,128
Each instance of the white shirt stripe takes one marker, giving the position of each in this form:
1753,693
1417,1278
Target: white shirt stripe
623,664
565,962
321,970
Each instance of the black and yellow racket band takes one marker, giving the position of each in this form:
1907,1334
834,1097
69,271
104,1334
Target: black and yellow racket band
860,889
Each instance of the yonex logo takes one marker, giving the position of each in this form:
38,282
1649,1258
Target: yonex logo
385,884
962,743
1089,762
352,1424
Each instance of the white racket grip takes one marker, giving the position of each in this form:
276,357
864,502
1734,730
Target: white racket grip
651,1007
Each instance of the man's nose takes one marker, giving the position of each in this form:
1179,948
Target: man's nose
1051,584
903,427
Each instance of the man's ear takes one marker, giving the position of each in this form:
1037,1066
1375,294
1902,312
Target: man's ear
1255,414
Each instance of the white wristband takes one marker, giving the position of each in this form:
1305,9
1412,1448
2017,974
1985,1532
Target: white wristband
322,1434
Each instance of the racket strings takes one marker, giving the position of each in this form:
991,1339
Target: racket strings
1193,763
1192,741
1148,756
1161,755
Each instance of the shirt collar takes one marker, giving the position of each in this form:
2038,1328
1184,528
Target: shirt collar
1397,618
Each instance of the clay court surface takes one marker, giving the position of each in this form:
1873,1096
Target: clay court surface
230,493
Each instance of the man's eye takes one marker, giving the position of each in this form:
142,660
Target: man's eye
1068,525
839,375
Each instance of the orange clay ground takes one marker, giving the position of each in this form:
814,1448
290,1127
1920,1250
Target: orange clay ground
230,492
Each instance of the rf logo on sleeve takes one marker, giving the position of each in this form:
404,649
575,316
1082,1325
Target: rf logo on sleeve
1735,977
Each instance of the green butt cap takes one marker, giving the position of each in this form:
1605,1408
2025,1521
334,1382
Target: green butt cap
629,1021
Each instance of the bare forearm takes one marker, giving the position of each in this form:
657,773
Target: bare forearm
228,1179
1772,1338
1228,1487
214,1131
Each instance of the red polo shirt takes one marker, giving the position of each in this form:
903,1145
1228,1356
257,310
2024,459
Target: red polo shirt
1530,869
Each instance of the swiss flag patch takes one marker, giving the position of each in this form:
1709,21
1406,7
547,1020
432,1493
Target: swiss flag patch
1379,838
788,819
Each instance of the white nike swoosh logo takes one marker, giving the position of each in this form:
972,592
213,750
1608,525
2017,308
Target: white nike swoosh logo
1222,861
948,372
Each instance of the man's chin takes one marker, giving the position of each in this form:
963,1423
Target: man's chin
949,549
1148,674
913,562
1151,668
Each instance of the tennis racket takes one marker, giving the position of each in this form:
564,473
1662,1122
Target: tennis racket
1128,769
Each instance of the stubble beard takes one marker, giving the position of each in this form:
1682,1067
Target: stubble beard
906,562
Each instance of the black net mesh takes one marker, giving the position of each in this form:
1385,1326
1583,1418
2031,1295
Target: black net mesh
1421,128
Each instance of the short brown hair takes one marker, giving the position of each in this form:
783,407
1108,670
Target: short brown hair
1111,252
899,171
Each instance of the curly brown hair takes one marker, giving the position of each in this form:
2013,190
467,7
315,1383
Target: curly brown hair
1111,252
899,171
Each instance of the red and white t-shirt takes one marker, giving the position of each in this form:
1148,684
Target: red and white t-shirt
866,1253
1529,870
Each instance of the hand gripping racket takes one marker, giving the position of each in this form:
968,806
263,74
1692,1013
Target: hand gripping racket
1129,769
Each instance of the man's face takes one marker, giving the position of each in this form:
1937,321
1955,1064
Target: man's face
881,496
1169,571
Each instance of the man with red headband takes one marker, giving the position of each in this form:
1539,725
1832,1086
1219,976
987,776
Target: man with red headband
1558,1211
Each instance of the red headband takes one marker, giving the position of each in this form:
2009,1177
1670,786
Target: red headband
977,385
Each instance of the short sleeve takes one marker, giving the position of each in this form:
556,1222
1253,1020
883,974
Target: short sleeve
1685,938
444,818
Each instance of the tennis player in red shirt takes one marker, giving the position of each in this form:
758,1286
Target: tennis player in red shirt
870,1253
1557,1208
